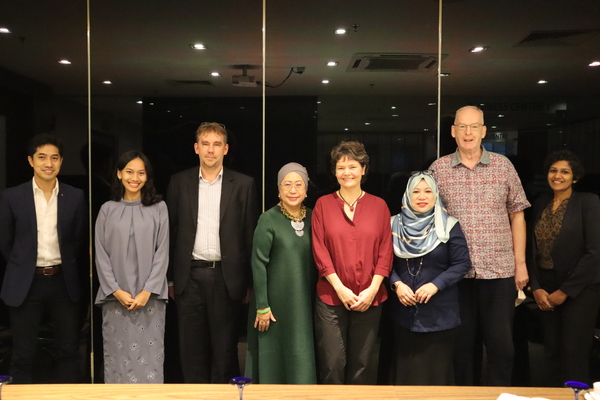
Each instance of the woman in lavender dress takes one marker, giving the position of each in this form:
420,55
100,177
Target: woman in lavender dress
132,253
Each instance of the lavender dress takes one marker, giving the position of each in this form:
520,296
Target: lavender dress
132,254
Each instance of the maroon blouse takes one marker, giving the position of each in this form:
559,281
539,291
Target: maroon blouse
355,250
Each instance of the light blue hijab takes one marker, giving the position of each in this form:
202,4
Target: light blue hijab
415,234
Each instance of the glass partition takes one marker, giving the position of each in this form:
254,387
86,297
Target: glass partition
43,88
171,67
530,66
350,70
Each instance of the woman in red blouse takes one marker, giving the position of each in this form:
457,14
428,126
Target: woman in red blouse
352,247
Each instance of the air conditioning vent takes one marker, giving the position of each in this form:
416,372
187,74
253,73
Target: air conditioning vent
393,62
182,83
572,37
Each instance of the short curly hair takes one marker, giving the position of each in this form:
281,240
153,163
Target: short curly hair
350,149
568,156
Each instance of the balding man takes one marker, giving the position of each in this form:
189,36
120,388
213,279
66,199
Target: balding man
482,189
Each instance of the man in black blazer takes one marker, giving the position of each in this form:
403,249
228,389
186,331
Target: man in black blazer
42,238
212,213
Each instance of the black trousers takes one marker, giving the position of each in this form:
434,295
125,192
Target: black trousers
345,342
424,358
569,332
487,308
47,294
208,328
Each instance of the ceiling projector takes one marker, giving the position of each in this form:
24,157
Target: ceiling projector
243,80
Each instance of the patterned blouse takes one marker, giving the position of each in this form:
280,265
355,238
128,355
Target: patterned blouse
546,232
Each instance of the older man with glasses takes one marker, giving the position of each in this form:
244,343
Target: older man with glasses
482,189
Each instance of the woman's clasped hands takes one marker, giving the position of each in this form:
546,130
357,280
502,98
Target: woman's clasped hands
409,298
132,303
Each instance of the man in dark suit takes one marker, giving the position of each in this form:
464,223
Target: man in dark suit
212,213
42,238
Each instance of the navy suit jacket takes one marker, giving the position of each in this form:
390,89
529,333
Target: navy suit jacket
576,252
18,240
238,217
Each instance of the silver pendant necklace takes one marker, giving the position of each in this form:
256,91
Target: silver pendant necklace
298,227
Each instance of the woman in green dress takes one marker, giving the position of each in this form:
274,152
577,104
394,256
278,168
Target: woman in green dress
280,328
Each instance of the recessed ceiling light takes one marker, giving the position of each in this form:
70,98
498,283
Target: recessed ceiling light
139,102
393,107
215,74
151,104
345,129
197,46
332,63
482,104
318,102
444,73
367,123
426,129
64,62
4,30
325,81
394,115
595,64
542,81
340,31
107,82
478,49
500,115
494,126
431,104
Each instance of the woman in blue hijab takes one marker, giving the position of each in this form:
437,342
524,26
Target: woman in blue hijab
431,256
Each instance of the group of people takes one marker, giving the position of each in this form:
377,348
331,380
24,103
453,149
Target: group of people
451,263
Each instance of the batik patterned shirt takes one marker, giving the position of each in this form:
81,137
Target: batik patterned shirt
482,199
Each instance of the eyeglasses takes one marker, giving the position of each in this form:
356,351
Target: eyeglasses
288,186
463,127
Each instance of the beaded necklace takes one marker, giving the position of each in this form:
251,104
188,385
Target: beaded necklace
296,222
411,271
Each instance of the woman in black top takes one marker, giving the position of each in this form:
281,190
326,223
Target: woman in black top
564,268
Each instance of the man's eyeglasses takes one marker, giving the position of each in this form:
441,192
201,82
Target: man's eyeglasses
463,127
288,186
